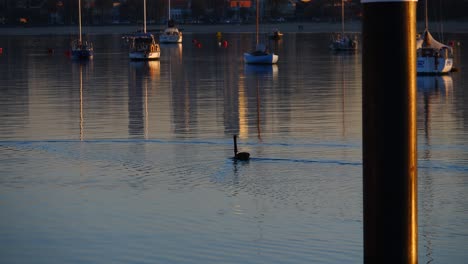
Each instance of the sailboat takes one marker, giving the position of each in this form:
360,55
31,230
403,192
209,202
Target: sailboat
433,57
142,45
80,49
341,42
260,55
171,34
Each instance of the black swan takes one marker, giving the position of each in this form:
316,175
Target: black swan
240,155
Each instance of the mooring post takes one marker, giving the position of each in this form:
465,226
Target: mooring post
389,131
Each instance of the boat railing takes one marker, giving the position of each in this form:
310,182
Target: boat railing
82,45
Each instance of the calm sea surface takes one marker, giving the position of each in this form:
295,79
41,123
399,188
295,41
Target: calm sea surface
113,161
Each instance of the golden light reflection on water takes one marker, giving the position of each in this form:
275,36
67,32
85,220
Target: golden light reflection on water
154,69
242,107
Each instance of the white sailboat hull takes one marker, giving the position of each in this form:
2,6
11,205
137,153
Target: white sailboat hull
434,65
140,55
165,38
171,34
269,58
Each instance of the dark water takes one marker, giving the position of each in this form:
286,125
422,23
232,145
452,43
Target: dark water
113,161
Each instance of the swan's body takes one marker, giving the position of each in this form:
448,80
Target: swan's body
239,155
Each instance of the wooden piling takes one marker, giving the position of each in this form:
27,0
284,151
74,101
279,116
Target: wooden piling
389,131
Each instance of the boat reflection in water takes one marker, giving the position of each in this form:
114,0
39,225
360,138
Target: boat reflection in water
147,68
264,75
141,73
431,92
261,69
83,67
442,85
433,105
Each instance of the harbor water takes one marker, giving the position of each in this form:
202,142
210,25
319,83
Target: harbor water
113,161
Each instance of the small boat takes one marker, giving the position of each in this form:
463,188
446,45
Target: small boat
260,55
340,41
171,34
433,57
81,49
142,45
276,35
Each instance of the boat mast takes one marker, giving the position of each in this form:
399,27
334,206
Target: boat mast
79,17
169,10
144,16
425,14
256,22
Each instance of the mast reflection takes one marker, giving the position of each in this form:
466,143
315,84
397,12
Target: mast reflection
184,94
431,89
81,104
141,73
257,78
84,66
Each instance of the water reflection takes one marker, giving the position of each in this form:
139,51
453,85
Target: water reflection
136,84
431,90
141,73
261,70
257,79
184,93
150,69
81,104
300,120
435,85
13,86
83,68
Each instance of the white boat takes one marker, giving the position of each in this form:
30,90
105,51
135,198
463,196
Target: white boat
171,34
142,45
81,49
433,57
260,55
340,41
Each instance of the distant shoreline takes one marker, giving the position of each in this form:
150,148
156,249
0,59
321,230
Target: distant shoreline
291,27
